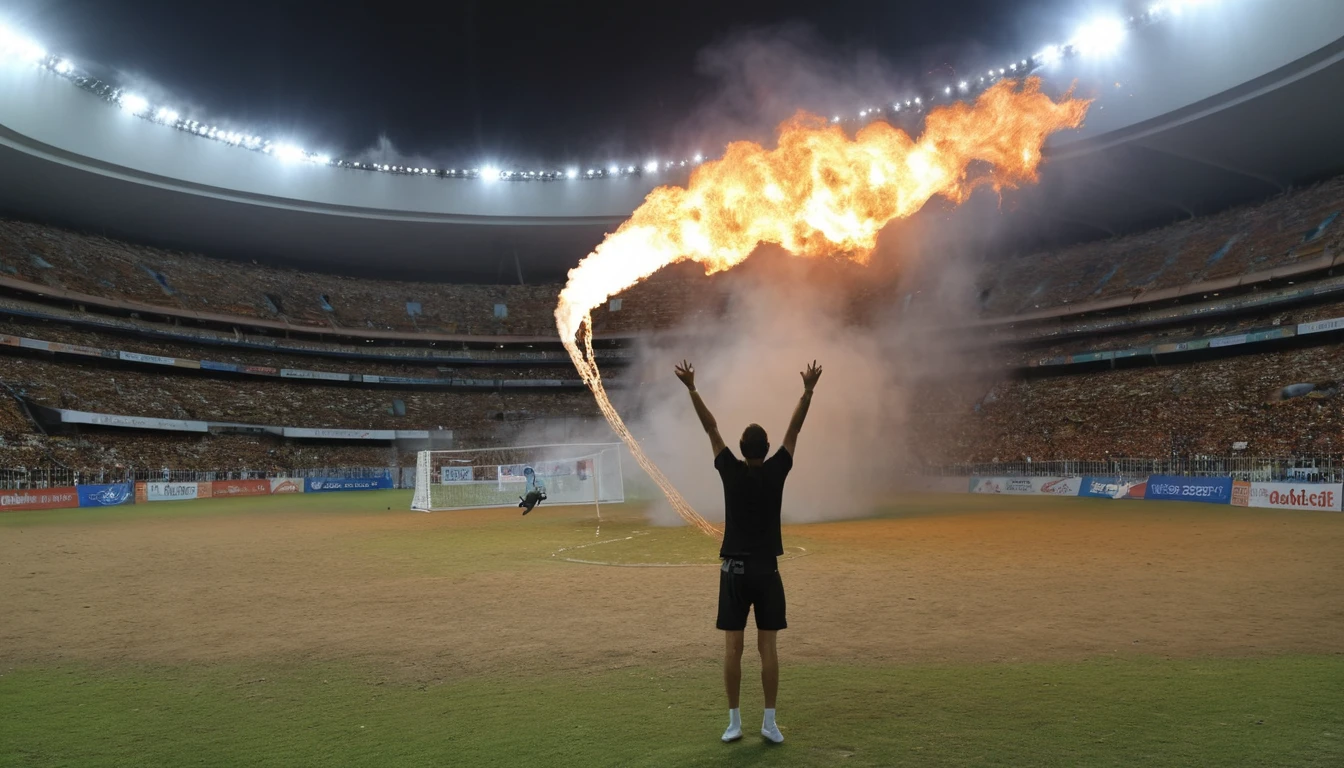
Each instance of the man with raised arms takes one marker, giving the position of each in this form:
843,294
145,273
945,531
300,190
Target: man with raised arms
753,492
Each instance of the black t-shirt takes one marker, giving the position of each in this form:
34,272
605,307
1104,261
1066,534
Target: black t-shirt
751,500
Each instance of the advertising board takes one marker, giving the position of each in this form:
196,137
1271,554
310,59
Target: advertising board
1211,490
112,495
39,498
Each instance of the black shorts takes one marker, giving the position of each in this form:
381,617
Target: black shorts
744,584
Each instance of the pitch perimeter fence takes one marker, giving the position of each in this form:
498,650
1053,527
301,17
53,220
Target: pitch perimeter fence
23,478
1325,469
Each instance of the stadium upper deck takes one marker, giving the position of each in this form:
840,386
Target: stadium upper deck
1217,104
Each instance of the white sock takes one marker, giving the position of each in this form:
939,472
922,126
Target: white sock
769,729
734,730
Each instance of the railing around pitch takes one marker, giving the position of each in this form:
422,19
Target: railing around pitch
23,478
1253,468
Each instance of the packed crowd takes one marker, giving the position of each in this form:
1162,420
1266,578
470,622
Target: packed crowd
279,402
115,456
1151,412
1294,228
1284,318
100,267
428,369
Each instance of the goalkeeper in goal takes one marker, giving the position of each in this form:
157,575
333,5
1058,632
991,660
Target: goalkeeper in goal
536,491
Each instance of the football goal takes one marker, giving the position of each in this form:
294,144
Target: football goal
582,473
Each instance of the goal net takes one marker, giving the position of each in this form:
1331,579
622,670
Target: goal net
585,473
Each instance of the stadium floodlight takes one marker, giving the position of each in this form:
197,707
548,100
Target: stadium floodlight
63,67
963,86
572,173
166,115
1049,55
322,159
699,158
948,90
651,166
613,170
288,152
1100,37
133,103
917,101
490,173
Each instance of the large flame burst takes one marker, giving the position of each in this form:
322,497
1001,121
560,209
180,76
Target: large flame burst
818,193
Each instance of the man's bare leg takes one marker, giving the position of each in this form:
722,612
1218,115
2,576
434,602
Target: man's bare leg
732,683
765,643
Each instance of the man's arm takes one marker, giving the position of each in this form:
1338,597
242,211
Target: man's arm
810,377
686,372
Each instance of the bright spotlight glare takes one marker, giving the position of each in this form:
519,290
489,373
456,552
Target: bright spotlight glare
651,166
1049,55
288,152
64,67
15,45
133,104
699,158
572,173
613,170
322,159
166,115
1100,37
963,85
490,173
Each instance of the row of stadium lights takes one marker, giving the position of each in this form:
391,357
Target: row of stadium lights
1099,37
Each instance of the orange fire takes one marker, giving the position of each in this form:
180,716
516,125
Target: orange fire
818,193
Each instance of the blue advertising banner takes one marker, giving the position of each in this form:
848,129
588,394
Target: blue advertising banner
105,495
1102,487
211,365
1212,490
328,484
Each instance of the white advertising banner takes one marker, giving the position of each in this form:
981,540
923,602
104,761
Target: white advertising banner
455,475
1027,486
342,434
134,422
295,373
1322,496
1228,341
286,485
136,357
1321,326
171,491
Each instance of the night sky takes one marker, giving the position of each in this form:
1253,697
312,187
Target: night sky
462,83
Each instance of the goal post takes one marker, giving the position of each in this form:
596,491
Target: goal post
570,473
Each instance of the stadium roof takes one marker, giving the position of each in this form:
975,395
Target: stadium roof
1188,119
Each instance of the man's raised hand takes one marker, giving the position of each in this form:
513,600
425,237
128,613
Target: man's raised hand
810,376
686,372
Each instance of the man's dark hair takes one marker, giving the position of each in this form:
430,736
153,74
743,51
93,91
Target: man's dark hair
755,443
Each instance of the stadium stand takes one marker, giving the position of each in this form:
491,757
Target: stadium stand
1190,282
1189,409
1294,229
280,402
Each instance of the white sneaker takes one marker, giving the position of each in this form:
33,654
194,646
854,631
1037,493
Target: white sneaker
772,733
733,733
